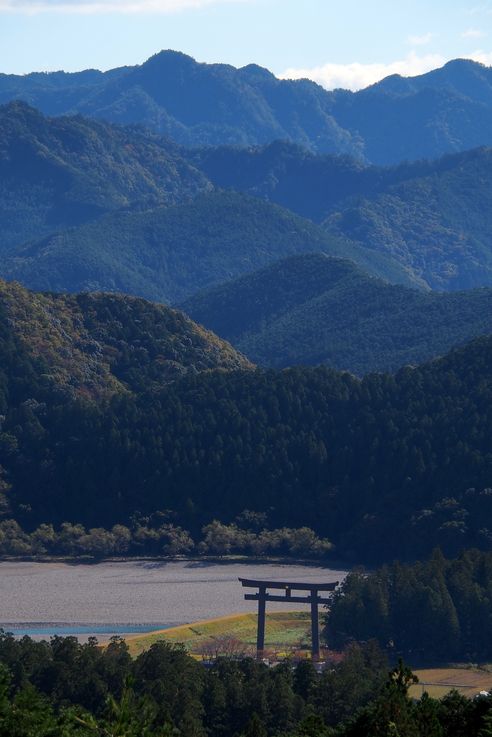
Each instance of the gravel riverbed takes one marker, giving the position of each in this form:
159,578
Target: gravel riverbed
126,596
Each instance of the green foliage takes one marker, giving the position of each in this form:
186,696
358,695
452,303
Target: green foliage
437,609
152,536
312,309
94,345
168,253
383,467
65,689
65,171
436,223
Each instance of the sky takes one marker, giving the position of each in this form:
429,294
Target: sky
338,43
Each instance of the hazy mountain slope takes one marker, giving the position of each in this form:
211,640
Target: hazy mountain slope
191,102
438,226
217,103
433,218
447,110
96,344
55,172
167,254
407,118
306,183
312,309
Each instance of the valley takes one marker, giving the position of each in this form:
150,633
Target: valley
245,332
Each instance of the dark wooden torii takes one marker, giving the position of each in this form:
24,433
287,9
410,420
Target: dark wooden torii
313,598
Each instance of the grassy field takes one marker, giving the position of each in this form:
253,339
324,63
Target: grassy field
285,631
437,682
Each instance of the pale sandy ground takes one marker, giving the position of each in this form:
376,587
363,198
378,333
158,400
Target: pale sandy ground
119,594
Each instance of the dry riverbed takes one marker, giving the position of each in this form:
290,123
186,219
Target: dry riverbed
123,597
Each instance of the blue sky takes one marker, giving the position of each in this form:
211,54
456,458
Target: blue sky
348,43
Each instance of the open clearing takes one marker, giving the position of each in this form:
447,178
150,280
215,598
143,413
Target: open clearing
437,682
284,631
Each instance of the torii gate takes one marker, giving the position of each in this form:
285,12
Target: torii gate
312,598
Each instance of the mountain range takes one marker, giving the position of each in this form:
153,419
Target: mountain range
428,220
444,111
167,253
89,205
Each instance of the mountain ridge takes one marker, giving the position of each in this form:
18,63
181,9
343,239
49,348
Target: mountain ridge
390,121
168,253
430,217
313,309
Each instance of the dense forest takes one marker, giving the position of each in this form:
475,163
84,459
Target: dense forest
436,225
312,309
65,689
168,253
435,609
93,345
61,172
380,467
432,218
86,205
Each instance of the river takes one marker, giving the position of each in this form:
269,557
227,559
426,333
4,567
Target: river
121,597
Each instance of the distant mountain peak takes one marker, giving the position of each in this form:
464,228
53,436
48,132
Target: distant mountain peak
257,71
461,63
170,55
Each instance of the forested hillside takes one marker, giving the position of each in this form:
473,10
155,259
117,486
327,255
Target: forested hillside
398,119
93,345
357,461
411,118
436,225
431,219
195,104
168,253
89,206
310,184
57,172
313,309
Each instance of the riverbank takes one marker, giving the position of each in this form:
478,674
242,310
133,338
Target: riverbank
231,635
326,562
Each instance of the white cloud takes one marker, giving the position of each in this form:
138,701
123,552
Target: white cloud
423,40
356,76
90,7
484,57
473,33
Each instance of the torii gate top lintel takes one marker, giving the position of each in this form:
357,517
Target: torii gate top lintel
293,585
